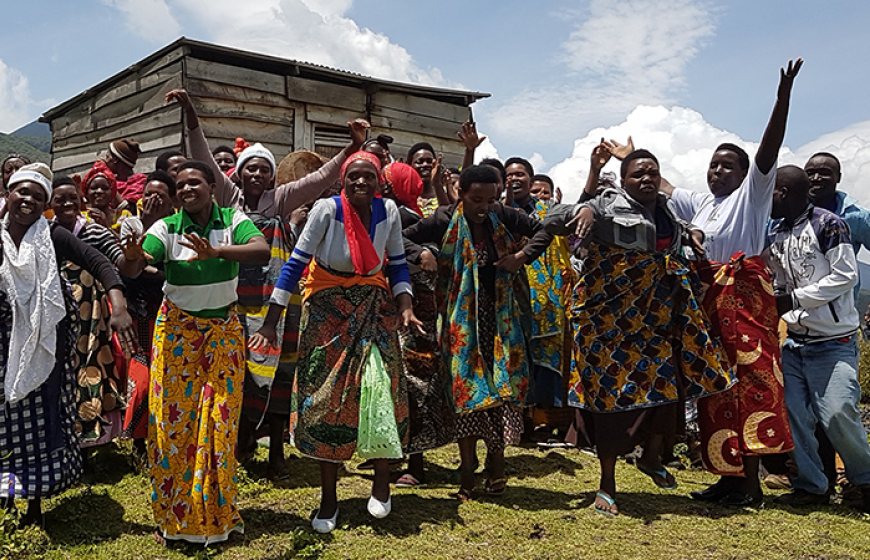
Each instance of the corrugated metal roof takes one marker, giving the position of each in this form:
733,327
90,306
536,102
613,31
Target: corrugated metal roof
274,64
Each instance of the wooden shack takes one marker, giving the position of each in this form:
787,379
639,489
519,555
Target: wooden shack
285,104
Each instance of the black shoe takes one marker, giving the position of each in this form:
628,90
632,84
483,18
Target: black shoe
712,493
742,500
799,498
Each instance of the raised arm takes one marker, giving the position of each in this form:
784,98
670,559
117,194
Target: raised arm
290,196
774,134
227,194
471,140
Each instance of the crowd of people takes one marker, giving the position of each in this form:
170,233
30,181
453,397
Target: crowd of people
382,306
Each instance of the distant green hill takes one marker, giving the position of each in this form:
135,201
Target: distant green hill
38,150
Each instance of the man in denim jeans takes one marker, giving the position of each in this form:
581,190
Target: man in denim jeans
811,254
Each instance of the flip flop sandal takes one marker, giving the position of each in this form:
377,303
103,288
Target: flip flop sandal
407,480
605,497
495,487
463,495
661,477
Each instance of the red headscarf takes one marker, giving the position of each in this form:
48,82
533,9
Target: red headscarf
100,169
406,183
362,251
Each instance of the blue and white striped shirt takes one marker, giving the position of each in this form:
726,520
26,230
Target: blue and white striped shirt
324,240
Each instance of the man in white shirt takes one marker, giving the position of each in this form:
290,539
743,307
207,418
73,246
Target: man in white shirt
734,217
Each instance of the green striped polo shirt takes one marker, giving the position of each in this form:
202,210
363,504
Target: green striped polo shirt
201,288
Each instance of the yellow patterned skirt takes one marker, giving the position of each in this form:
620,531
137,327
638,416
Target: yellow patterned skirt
197,374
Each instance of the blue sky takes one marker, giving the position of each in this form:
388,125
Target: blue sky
721,60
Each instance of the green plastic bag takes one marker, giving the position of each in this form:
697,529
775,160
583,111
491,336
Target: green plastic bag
378,435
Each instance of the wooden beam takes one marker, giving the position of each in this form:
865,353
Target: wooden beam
235,75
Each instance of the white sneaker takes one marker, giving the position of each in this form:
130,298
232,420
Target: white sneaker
379,509
324,525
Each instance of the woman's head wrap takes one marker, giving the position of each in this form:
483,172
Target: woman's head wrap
100,169
406,184
361,156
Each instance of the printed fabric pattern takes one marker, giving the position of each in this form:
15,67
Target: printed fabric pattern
479,383
750,418
641,339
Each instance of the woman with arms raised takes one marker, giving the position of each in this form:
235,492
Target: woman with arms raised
350,389
269,378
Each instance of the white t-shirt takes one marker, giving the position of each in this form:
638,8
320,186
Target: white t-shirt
737,222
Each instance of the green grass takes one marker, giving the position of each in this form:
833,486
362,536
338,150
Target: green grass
545,513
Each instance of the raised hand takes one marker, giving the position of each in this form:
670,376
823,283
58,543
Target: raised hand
619,151
359,129
99,217
204,250
468,135
787,76
179,96
600,156
133,251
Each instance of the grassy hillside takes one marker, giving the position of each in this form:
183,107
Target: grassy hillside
37,151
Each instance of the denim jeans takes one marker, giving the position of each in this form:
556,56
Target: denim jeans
821,386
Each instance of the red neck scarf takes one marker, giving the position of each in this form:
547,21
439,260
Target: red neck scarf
362,251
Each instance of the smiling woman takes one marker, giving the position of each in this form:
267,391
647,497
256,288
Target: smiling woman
351,393
39,453
198,360
101,373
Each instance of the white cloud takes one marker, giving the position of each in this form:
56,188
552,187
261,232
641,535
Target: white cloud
16,103
621,55
486,150
538,162
314,31
150,19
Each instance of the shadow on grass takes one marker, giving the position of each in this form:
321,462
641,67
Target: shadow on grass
302,472
410,513
107,464
89,518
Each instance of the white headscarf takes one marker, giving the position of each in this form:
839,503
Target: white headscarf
28,275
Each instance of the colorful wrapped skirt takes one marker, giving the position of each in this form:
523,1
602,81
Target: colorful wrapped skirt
197,372
339,328
641,339
431,415
750,418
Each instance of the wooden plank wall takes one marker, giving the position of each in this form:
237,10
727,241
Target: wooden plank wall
410,119
280,111
233,101
131,108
